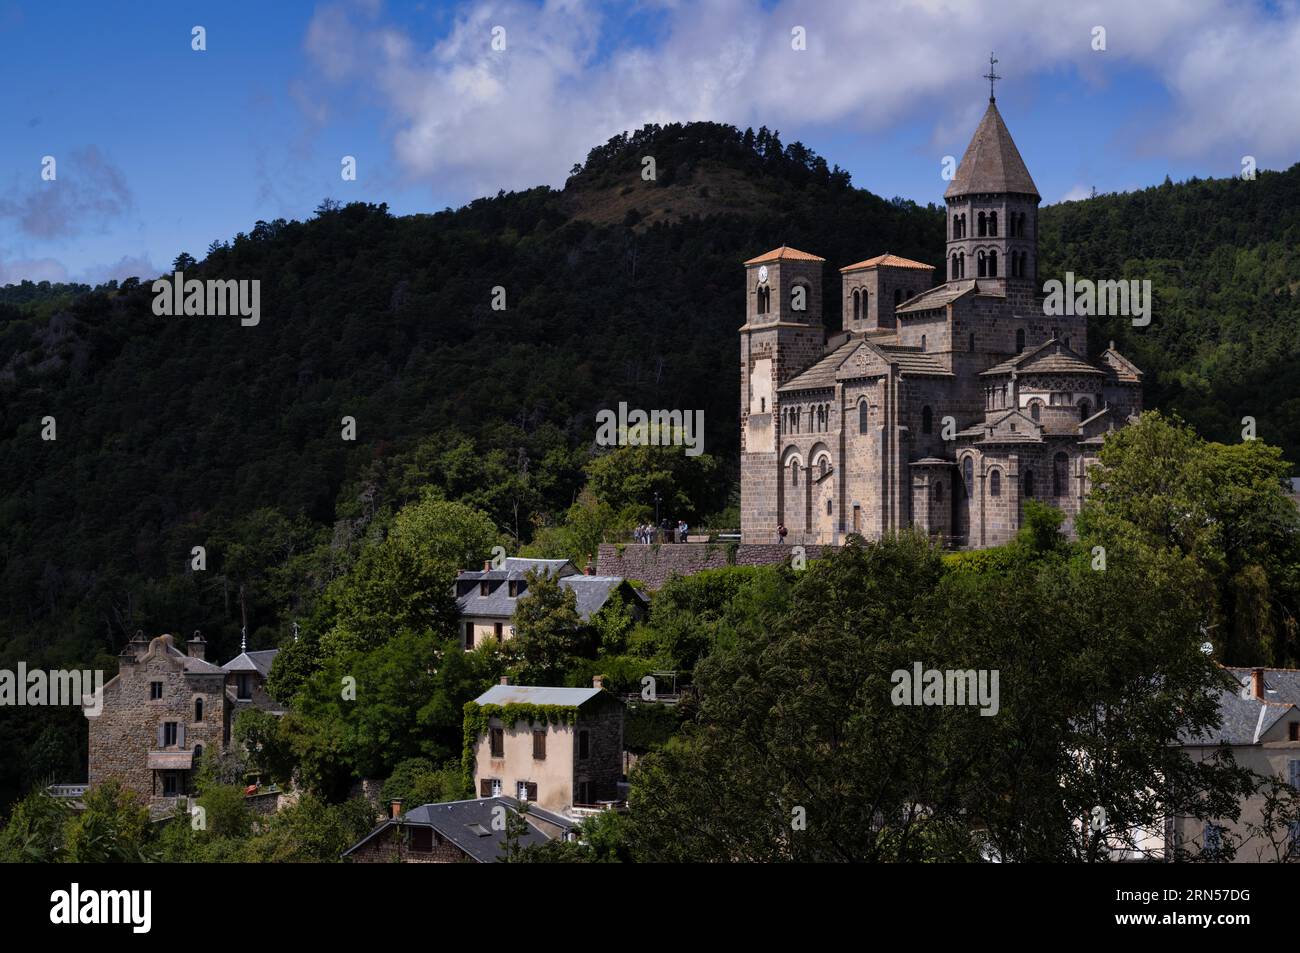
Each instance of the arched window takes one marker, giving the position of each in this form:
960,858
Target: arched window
828,507
823,468
1036,409
1004,396
927,420
981,263
198,754
972,342
993,264
1020,340
857,305
968,476
993,223
1060,474
764,299
952,272
794,472
956,226
981,225
864,416
961,264
1029,483
198,709
1085,409
995,483
922,342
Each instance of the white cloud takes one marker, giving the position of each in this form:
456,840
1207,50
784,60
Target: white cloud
466,116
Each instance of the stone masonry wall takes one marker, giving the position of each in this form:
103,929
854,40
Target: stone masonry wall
654,564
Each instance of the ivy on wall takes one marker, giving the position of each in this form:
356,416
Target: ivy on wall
476,722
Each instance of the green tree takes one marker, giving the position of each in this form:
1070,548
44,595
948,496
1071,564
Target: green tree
113,827
548,632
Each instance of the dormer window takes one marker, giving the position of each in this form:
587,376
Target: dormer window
483,589
514,588
244,686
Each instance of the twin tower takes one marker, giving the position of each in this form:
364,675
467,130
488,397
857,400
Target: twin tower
941,407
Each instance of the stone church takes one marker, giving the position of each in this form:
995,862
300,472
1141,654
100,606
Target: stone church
940,407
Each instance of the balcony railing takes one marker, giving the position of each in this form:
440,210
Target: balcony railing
68,790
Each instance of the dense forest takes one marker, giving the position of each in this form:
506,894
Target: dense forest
176,432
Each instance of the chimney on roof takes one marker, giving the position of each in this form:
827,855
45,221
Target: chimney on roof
1257,684
505,679
598,681
487,565
589,569
395,808
134,650
196,646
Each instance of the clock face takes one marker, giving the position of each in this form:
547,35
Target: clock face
762,272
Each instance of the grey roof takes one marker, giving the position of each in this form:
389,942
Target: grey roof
590,592
912,360
992,162
1245,719
536,695
1050,357
937,297
469,825
832,367
259,662
822,374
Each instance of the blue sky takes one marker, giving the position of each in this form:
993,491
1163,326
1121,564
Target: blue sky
160,148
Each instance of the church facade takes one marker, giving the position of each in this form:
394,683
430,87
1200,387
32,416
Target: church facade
940,407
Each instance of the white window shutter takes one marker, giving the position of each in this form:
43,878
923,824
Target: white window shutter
180,735
160,734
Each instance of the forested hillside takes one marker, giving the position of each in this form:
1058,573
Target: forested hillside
175,432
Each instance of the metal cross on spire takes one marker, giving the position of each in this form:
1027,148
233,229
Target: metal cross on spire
243,639
991,76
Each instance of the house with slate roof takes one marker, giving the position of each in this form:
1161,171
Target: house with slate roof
164,709
558,748
487,598
455,832
1260,722
943,407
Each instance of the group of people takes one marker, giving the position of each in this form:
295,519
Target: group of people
665,532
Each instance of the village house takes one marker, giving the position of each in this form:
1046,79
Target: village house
1260,722
165,708
558,748
487,598
453,832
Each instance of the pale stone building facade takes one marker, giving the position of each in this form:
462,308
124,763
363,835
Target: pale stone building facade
940,407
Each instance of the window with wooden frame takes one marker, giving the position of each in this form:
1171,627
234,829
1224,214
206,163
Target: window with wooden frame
489,787
497,742
169,733
539,745
155,691
483,589
496,630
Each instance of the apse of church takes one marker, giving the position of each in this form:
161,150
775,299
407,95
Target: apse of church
943,407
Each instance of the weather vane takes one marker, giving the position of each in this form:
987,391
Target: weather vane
991,76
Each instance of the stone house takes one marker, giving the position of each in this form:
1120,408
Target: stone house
1260,723
558,748
455,832
940,407
487,599
164,709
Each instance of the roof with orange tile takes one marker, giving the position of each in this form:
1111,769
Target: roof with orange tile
889,261
786,252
